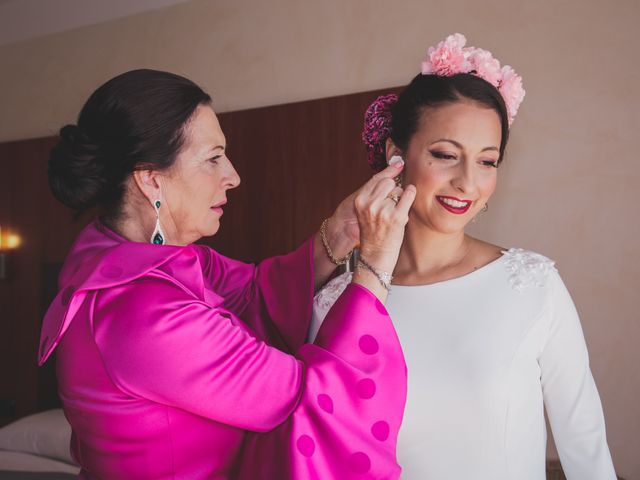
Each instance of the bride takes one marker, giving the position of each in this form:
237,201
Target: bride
490,335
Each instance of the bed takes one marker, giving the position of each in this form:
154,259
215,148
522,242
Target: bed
37,448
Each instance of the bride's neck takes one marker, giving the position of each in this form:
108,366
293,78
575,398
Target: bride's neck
425,251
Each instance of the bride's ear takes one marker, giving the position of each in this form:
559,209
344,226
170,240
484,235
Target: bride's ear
394,153
391,151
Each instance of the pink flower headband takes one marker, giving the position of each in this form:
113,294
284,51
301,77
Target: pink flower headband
448,58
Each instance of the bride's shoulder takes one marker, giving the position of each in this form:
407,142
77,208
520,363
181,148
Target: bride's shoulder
521,258
524,268
519,262
485,252
527,268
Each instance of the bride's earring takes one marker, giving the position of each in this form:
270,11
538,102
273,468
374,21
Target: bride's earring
157,237
482,210
399,179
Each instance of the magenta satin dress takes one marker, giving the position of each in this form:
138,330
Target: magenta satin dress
179,363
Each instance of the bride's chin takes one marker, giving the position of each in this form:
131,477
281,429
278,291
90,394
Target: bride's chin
444,226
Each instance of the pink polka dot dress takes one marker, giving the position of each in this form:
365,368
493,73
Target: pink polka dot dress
179,363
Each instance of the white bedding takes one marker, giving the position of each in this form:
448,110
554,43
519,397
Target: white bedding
25,462
37,443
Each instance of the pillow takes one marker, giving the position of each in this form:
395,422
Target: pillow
47,434
12,463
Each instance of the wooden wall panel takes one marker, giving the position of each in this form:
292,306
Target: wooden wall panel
256,222
296,162
330,158
31,211
7,306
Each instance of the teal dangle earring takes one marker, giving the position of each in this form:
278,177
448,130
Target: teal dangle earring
157,237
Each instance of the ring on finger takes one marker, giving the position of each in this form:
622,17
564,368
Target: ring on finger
394,197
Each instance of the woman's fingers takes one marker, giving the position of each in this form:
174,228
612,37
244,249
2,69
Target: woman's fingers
395,194
406,200
382,190
391,172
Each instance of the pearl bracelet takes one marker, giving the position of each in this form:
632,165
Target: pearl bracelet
384,277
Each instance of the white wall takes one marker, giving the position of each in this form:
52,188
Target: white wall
569,185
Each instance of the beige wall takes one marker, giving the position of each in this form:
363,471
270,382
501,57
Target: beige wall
568,188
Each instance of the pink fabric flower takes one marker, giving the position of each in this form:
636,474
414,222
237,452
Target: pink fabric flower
486,66
511,90
377,128
447,58
451,57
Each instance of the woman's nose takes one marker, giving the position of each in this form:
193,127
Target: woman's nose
232,178
463,180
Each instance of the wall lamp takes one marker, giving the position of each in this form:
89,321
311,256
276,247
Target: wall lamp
9,241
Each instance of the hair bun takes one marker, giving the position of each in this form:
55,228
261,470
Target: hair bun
77,168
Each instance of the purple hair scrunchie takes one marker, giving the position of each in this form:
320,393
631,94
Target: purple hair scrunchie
377,128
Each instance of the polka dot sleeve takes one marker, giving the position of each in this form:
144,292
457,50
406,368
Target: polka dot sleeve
347,420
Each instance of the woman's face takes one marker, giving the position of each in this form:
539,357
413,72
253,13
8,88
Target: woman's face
452,161
195,188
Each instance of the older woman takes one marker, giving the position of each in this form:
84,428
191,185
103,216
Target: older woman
170,357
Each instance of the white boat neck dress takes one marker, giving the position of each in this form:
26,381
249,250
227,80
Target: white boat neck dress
486,354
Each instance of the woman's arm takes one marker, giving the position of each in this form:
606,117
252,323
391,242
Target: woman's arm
333,411
570,394
233,280
342,235
273,297
323,267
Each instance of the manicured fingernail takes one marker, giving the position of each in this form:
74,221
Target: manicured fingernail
396,161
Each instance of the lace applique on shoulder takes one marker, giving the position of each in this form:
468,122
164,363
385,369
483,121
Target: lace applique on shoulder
527,268
326,297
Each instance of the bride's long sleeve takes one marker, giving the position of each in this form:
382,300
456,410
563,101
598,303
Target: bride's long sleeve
570,395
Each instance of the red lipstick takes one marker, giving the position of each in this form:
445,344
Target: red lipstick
457,209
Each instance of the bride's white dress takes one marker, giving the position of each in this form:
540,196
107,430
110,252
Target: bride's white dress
486,353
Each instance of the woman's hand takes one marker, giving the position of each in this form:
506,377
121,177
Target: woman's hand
343,224
381,221
343,232
344,228
343,235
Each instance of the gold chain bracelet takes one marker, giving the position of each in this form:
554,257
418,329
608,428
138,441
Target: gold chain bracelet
325,242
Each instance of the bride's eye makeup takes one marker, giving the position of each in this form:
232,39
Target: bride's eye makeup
489,163
448,156
442,155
